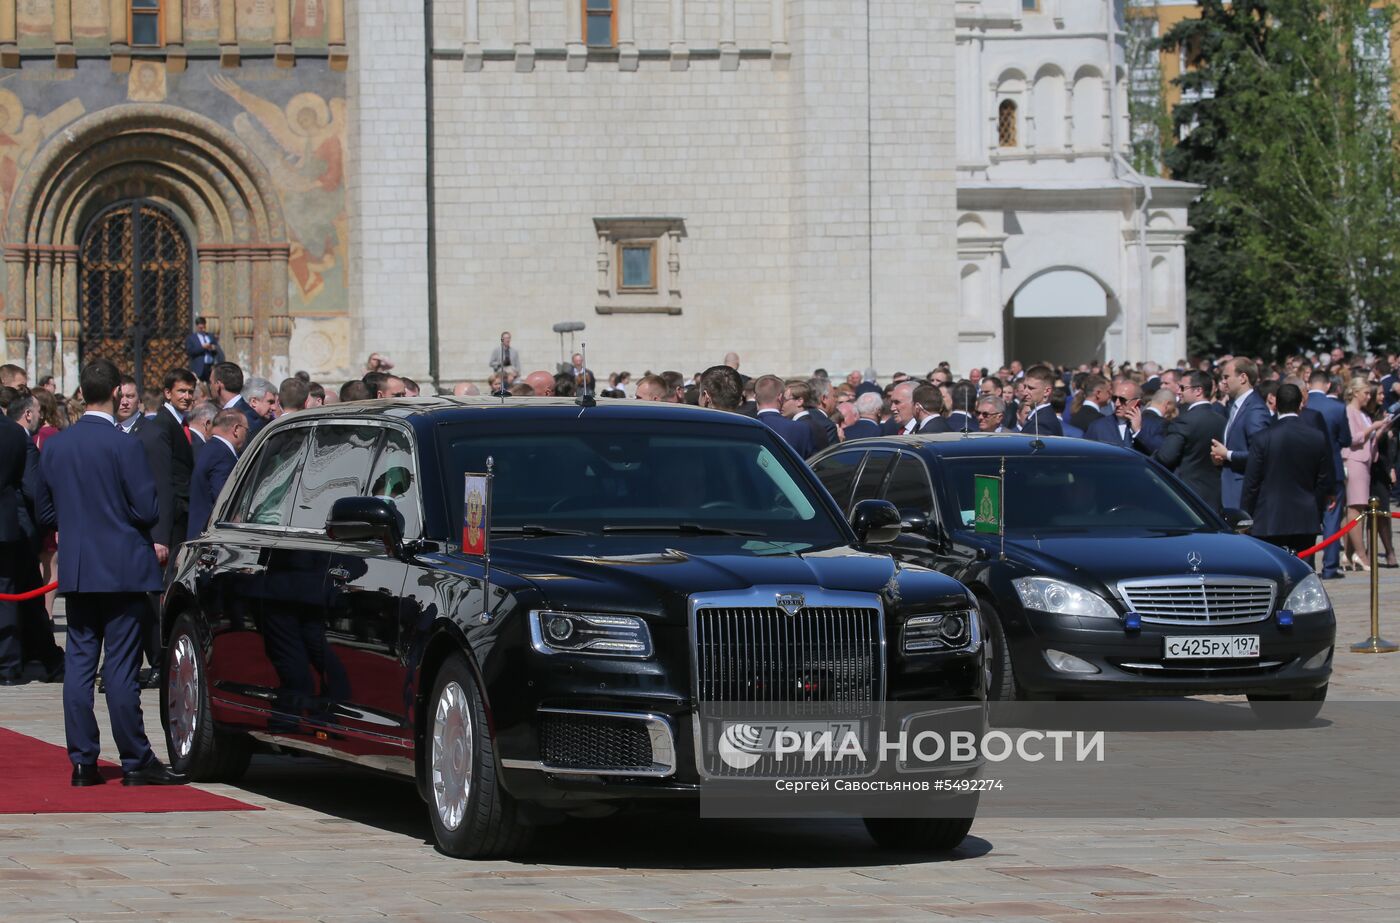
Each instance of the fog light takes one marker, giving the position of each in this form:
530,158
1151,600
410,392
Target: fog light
1284,617
1132,622
560,628
955,630
1068,663
1318,659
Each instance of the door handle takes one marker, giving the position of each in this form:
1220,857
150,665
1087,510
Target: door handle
339,574
208,558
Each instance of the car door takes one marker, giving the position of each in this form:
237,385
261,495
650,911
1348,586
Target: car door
910,489
232,579
837,472
364,602
872,476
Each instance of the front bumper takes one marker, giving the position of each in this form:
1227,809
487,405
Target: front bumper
1131,663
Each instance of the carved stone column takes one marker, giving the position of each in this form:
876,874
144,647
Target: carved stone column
728,46
680,52
229,54
279,326
282,34
471,35
335,35
575,48
16,327
120,41
175,36
524,49
627,55
9,46
70,327
17,340
63,54
243,341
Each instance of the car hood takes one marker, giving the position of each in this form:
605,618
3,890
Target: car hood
642,577
1109,559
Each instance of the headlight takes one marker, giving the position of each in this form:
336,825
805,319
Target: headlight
1308,596
589,633
943,631
1047,595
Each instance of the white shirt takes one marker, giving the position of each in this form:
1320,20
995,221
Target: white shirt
126,425
911,427
105,417
763,410
233,400
1234,412
1199,403
1285,416
179,417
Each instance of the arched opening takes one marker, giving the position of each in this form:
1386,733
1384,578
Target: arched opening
1088,109
1049,110
1061,315
1007,134
135,266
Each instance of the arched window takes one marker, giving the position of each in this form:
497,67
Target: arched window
1006,123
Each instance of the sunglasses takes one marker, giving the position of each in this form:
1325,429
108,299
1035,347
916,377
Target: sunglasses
984,414
1119,399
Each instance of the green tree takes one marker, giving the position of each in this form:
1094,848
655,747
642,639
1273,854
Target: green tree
1286,121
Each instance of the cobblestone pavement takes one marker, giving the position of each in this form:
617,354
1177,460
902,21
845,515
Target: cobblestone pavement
336,844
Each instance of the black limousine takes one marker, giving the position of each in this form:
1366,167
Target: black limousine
644,557
1107,576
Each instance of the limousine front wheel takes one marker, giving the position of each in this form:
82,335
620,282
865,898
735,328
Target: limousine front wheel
473,816
196,747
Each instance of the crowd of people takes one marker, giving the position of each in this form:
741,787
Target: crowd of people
1293,444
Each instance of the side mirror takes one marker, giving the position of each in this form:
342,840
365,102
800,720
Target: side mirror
1238,520
913,521
358,519
876,522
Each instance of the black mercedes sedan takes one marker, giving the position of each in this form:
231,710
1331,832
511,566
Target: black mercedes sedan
1097,572
643,559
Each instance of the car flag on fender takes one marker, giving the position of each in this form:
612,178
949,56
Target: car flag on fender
476,515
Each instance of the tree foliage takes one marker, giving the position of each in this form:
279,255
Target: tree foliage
1286,121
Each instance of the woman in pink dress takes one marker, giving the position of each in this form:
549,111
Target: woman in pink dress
1357,461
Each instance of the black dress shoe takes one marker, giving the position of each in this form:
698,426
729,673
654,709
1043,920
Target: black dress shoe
85,774
13,679
153,773
53,672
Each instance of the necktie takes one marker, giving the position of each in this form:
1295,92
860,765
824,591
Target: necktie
186,428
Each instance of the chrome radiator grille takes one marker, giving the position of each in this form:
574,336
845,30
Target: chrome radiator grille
1200,600
824,654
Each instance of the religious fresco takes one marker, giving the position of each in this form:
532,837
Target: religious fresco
293,120
257,21
308,22
90,23
201,22
34,22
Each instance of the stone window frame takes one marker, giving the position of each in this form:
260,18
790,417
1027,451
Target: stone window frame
155,10
590,12
1008,124
664,235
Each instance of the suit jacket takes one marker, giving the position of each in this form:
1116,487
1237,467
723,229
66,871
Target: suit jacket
211,470
171,459
1334,414
869,387
511,357
1288,480
934,424
1043,422
1185,449
1154,430
794,432
813,421
959,422
201,360
14,453
197,443
1251,419
1085,416
104,523
1105,430
863,428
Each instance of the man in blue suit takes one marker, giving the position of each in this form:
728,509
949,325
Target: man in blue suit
1248,416
869,407
213,466
202,349
107,563
1124,427
1338,432
768,394
1040,419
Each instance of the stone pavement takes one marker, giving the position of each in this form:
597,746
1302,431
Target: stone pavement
337,844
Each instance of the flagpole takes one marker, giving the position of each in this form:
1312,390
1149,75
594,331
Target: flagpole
486,614
1001,513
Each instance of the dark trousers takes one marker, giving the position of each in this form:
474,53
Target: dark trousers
11,652
35,626
113,621
1293,543
1331,522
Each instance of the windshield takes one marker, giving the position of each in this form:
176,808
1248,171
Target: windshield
1045,493
612,478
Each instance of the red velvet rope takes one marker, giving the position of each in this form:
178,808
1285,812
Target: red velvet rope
1309,552
32,594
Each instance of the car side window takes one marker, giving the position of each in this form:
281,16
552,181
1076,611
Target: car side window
270,487
872,476
337,466
395,478
837,472
909,488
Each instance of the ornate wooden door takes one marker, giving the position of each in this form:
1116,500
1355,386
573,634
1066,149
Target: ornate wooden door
135,273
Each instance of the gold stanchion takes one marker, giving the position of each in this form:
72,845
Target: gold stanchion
1375,644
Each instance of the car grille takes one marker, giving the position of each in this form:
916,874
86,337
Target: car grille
765,655
586,741
1199,600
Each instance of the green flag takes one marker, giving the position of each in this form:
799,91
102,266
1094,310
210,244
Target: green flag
986,492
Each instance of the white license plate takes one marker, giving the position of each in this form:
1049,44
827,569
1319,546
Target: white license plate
762,738
1213,647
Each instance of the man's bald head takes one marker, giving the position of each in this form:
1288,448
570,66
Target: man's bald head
542,383
465,389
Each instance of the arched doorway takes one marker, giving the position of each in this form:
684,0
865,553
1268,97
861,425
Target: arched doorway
1061,315
136,297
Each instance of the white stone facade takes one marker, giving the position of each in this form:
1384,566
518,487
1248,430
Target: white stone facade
804,192
1065,253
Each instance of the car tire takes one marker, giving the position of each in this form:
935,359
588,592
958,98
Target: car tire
1293,710
1001,679
473,816
195,746
918,834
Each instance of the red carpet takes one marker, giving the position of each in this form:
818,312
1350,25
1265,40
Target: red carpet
37,783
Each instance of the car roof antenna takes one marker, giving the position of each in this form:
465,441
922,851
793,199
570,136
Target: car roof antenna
586,398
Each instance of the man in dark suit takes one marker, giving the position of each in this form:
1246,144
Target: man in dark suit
1037,416
14,547
869,407
212,468
35,627
1186,446
768,394
1289,479
226,389
200,419
1248,416
798,405
1150,422
1338,431
928,410
1097,395
107,563
1119,429
964,405
202,349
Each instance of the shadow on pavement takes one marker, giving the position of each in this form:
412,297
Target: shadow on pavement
651,839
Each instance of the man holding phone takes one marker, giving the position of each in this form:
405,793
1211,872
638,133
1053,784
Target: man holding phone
1119,429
